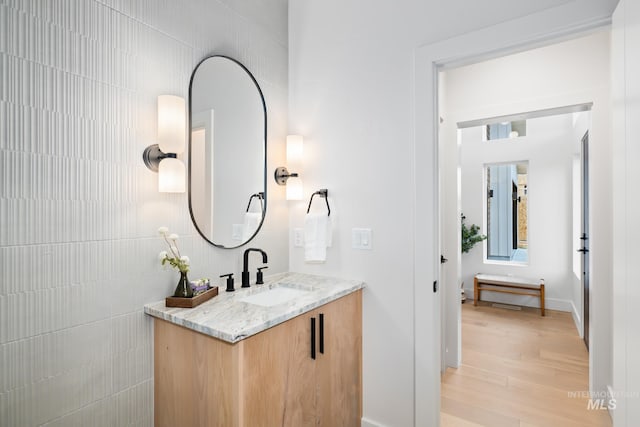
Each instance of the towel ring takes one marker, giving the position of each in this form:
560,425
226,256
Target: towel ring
260,197
322,193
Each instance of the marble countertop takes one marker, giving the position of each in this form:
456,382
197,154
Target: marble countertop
228,318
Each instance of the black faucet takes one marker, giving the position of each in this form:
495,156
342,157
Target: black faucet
245,265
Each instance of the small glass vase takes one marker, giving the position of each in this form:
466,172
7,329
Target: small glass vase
183,290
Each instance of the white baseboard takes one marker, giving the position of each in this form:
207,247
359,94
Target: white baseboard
368,423
577,320
526,301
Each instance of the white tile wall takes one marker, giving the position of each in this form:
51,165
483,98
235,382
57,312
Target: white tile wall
79,211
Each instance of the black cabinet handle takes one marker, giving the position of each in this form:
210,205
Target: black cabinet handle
321,333
313,338
583,250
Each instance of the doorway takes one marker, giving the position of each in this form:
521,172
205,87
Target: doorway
480,45
503,109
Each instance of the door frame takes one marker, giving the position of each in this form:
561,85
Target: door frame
534,30
585,233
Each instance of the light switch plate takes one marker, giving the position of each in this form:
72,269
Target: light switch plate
361,238
298,238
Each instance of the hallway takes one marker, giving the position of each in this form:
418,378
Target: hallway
518,369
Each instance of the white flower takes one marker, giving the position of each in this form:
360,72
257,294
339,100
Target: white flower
173,256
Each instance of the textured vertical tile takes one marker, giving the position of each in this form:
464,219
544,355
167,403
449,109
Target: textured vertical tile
78,210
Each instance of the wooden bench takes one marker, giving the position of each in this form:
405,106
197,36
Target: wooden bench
508,285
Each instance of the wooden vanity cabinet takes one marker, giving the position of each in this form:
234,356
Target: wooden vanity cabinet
339,368
269,379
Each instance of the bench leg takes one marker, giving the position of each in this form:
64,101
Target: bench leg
542,300
476,291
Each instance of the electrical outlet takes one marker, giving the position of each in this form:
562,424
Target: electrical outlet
298,237
237,232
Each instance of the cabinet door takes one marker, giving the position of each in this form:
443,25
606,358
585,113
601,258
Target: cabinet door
279,376
339,367
195,380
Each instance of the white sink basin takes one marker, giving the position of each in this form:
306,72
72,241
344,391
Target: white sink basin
274,296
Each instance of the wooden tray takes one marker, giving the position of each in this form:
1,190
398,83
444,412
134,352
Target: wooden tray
191,302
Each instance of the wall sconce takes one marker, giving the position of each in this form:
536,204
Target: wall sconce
162,157
294,160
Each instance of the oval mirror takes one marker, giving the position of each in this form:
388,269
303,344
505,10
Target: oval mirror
227,152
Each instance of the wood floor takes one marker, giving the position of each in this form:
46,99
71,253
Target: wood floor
517,371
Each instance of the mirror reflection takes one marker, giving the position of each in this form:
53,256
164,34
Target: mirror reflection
507,207
227,152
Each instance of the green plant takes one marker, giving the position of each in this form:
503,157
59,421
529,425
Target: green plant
470,235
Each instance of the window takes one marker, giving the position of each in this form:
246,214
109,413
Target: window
507,208
505,130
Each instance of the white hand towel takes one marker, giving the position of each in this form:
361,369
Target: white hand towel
251,223
317,237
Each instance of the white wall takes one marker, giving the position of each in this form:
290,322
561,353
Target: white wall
568,73
548,149
78,209
626,293
353,95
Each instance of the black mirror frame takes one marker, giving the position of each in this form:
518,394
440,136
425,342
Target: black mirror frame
264,110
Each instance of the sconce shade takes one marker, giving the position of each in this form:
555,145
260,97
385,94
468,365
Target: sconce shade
295,150
172,123
171,176
294,188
